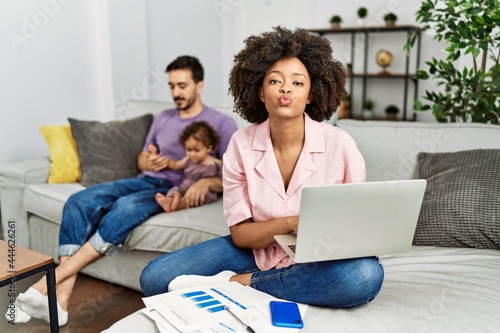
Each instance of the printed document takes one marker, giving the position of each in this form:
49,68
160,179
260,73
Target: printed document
202,309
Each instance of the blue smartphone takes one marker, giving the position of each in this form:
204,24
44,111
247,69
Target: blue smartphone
285,314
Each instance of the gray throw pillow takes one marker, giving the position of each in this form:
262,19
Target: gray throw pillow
109,150
461,206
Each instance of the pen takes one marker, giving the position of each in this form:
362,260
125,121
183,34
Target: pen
249,329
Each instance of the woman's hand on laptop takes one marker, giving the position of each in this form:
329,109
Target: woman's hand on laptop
293,223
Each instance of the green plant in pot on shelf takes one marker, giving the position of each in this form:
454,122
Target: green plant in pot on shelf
391,112
344,109
348,68
470,30
362,14
390,20
335,21
368,107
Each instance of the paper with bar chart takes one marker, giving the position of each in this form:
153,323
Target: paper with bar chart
202,309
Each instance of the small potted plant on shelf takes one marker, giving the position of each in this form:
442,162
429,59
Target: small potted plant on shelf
335,21
390,20
368,107
362,13
392,112
348,68
345,107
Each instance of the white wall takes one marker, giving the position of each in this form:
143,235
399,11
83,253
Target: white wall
52,67
84,58
132,76
190,27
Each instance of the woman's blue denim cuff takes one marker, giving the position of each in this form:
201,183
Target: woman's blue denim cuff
100,245
68,250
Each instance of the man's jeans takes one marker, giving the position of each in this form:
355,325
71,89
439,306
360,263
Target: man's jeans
335,284
106,213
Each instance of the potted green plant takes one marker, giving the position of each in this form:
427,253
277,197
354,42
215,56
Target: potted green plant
335,21
345,107
368,107
470,30
348,67
362,13
392,112
390,19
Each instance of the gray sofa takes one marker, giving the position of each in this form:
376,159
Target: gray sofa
36,208
428,289
452,288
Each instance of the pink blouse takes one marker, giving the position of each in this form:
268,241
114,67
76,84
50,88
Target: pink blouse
253,187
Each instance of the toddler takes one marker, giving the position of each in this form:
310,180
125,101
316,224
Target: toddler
199,139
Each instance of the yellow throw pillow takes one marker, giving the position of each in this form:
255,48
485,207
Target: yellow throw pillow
64,160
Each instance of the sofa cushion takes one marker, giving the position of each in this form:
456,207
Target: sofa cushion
47,200
64,160
108,151
461,203
390,148
167,232
164,232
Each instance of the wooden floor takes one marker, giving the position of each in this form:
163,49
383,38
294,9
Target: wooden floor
95,306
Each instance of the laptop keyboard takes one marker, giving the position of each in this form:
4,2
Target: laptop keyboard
292,247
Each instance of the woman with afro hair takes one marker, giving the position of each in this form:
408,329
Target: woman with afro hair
285,83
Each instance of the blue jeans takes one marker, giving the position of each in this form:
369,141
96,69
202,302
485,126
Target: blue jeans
335,284
104,214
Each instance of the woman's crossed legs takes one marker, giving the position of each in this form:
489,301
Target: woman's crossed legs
336,284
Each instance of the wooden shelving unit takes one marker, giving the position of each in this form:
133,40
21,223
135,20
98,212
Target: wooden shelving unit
407,77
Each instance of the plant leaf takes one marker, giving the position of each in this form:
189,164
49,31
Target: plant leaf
479,20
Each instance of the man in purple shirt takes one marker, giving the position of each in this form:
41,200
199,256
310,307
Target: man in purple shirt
98,219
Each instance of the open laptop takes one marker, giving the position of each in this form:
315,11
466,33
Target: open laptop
355,220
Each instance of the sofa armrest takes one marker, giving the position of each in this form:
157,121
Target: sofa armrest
13,180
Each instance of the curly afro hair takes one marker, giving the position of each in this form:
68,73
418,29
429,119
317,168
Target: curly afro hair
261,52
200,131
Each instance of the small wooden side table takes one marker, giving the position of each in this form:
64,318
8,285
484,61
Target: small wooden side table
17,263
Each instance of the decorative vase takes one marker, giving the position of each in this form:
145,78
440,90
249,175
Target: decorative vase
367,113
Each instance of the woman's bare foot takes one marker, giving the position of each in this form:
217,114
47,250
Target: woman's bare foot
165,202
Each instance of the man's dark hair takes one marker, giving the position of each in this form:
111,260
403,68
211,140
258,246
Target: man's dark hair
261,52
200,131
188,62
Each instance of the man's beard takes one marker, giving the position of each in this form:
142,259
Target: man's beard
188,105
